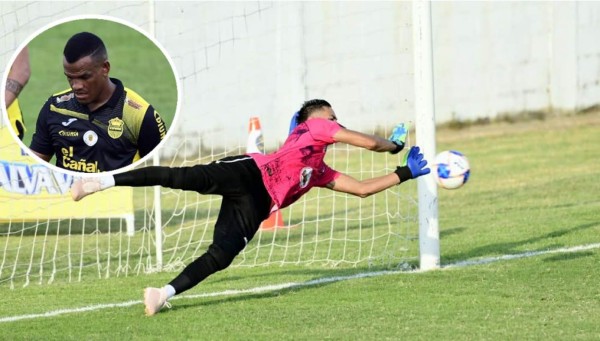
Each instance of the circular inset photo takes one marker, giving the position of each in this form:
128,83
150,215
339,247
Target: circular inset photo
90,94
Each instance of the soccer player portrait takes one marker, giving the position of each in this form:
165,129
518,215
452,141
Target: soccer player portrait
254,185
98,124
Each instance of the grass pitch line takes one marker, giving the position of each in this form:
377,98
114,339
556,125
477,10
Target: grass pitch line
291,285
68,311
488,260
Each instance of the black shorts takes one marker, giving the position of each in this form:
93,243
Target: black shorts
246,202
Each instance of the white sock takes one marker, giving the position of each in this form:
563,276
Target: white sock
170,290
107,181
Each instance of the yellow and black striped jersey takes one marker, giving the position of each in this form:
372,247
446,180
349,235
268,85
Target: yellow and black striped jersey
113,136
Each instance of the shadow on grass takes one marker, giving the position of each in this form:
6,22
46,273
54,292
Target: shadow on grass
314,272
302,285
449,232
514,246
568,256
239,298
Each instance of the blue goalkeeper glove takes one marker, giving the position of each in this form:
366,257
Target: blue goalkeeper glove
398,137
414,165
294,122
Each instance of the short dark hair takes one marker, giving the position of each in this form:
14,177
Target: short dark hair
85,44
309,107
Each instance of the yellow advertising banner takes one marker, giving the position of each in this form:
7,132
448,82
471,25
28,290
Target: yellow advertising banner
31,191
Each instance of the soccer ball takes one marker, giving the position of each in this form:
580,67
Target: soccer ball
451,169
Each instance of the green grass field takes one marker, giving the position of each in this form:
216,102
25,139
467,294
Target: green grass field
134,59
534,189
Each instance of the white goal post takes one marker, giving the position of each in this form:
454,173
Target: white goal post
429,235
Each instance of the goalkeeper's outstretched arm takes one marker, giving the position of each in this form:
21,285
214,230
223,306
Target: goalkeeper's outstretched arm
415,167
358,139
347,184
394,144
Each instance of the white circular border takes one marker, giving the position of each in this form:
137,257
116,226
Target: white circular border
87,17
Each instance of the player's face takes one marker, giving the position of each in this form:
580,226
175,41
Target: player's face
87,78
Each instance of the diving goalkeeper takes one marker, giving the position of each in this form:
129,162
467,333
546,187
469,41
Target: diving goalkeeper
254,185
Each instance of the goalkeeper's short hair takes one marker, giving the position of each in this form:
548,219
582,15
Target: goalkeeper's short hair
308,107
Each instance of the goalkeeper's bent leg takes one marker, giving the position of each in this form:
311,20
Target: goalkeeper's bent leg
215,259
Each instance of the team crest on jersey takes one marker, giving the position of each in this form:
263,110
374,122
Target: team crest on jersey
305,175
115,127
90,138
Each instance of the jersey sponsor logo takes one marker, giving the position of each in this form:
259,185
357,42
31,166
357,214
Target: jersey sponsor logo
65,98
115,127
305,175
90,138
69,121
80,166
133,104
161,125
67,151
77,165
68,133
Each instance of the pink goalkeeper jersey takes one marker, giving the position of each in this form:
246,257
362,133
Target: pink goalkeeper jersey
298,165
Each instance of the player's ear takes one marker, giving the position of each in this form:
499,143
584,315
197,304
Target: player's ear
105,68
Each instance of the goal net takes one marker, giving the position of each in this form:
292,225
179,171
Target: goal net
235,61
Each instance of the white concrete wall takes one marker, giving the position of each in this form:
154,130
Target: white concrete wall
241,59
265,59
587,53
496,57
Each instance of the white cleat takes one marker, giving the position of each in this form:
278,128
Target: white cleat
154,300
84,187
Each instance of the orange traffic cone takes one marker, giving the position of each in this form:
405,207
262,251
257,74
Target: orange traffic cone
275,220
256,145
255,138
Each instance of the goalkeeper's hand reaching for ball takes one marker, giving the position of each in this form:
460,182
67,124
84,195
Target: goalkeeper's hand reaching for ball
415,165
